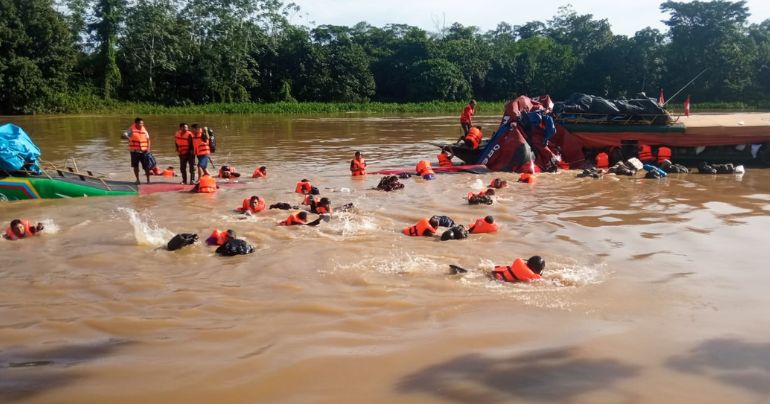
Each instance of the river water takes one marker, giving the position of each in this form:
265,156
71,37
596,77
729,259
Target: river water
655,291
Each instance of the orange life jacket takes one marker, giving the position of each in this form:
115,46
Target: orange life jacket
645,153
182,140
424,168
527,178
258,174
518,272
207,185
602,160
664,153
167,173
419,229
303,187
444,160
322,210
467,115
471,194
482,226
139,141
218,237
474,136
359,167
292,220
246,206
307,199
27,231
492,184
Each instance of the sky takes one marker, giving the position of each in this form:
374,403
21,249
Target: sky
626,16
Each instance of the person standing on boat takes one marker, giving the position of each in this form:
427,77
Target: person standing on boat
139,146
184,148
466,118
201,149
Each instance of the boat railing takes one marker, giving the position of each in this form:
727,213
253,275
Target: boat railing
613,119
88,175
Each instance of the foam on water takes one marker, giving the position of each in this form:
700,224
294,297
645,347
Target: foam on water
50,226
146,232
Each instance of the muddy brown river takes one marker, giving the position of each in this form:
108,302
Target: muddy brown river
654,291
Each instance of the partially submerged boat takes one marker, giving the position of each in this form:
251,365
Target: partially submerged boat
539,135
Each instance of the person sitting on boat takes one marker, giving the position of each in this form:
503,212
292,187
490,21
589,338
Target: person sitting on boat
520,271
20,228
228,172
445,157
473,139
295,219
466,118
201,149
206,185
254,204
139,146
424,227
218,237
425,170
183,142
260,172
483,225
357,165
498,183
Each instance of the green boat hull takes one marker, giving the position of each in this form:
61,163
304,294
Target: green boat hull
65,186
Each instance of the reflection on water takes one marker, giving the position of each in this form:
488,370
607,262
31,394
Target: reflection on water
642,278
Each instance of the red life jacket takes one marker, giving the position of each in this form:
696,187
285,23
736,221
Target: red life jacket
139,141
467,115
527,178
482,226
292,220
664,153
474,136
258,174
444,160
518,272
645,153
182,140
217,237
307,199
602,160
303,188
207,185
246,206
424,168
10,235
322,210
358,167
471,194
419,229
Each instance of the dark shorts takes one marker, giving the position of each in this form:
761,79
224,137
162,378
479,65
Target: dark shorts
203,161
466,127
136,158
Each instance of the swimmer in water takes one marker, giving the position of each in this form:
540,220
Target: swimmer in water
20,228
519,271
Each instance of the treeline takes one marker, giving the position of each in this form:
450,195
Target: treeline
71,54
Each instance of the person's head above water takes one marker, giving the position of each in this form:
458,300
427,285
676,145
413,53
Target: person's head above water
499,183
18,228
253,200
489,219
536,263
302,215
490,192
357,154
263,169
433,222
139,121
324,201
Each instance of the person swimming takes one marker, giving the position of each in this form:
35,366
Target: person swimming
519,271
251,205
498,183
424,227
20,228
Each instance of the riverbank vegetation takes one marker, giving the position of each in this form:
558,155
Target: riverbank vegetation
244,56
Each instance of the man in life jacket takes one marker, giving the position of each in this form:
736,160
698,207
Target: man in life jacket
498,183
445,157
228,172
322,207
357,165
206,185
20,228
425,170
466,118
295,219
254,204
260,172
218,237
520,271
483,225
201,149
183,141
139,146
303,187
473,139
424,227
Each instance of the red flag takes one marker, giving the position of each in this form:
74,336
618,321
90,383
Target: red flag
687,106
661,99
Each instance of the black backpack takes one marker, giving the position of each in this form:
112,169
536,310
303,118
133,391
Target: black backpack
212,140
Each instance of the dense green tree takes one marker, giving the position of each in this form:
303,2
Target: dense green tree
109,16
36,56
437,79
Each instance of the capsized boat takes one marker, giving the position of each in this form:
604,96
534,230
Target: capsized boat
537,134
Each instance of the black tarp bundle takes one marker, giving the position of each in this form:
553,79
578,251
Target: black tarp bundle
641,108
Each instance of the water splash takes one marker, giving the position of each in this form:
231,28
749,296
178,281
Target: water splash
146,232
50,226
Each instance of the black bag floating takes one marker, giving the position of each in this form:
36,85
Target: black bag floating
235,247
181,240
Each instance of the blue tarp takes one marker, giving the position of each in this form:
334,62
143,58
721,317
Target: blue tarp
17,151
